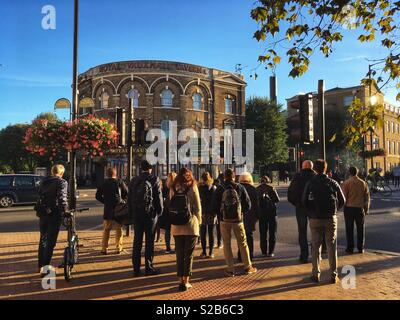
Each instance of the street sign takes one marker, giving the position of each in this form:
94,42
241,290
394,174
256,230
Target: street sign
62,103
86,103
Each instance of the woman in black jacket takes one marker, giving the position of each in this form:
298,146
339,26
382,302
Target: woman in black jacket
163,221
268,198
110,193
209,218
250,218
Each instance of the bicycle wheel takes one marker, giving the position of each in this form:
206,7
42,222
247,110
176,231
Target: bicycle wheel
387,191
67,265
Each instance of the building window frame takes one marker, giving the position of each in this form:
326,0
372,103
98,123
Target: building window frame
104,100
133,94
167,98
197,101
230,101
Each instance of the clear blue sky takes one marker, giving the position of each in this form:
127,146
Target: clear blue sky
37,64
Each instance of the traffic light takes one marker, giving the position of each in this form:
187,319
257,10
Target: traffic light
306,112
120,121
140,132
292,154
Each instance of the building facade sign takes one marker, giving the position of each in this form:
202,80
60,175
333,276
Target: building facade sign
135,66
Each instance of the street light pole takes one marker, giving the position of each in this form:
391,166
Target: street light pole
74,107
130,147
130,139
321,115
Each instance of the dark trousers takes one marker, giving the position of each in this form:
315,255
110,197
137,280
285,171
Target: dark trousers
167,237
250,244
302,225
203,235
397,182
148,229
219,236
268,230
354,216
158,232
184,248
49,228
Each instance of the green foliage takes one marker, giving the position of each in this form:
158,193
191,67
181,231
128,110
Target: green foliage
304,27
49,116
13,156
269,123
363,120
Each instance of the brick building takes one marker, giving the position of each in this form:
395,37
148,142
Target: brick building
336,102
196,97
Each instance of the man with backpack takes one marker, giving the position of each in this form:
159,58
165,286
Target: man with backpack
50,207
295,192
110,193
267,215
231,202
323,197
145,206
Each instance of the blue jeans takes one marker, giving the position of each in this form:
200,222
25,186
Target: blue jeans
147,228
302,224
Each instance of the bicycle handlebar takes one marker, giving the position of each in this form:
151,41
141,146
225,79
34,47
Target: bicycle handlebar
77,210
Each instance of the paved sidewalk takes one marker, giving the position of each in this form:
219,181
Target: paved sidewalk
110,277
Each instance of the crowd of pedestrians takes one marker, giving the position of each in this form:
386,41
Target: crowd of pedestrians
188,210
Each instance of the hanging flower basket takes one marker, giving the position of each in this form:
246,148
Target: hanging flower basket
43,138
89,135
372,153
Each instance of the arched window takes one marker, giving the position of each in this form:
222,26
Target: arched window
230,104
197,101
166,98
133,95
104,99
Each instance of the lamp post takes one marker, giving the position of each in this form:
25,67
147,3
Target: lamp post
372,101
74,106
321,116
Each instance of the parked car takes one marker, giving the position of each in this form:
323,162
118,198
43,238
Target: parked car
18,189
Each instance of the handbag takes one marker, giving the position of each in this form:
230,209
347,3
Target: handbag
121,212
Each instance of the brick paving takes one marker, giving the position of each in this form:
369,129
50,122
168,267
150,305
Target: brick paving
110,277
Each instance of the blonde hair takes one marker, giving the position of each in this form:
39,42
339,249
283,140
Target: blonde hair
246,177
58,169
207,179
170,179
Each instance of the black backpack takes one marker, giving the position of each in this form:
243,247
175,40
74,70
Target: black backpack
179,208
231,207
144,197
206,194
266,203
322,197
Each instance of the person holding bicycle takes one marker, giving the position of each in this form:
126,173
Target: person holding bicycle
50,207
111,193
